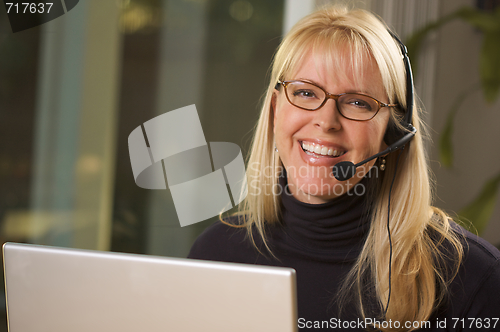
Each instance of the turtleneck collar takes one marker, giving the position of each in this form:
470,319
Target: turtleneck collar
338,227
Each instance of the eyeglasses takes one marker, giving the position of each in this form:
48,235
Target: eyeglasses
353,106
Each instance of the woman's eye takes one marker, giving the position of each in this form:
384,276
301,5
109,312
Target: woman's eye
359,104
304,94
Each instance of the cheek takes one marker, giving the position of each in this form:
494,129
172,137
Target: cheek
278,113
288,121
381,130
368,136
381,120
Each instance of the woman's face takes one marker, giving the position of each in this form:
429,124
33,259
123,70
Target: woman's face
310,177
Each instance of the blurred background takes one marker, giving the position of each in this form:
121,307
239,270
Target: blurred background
72,90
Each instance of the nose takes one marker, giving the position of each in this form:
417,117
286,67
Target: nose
327,118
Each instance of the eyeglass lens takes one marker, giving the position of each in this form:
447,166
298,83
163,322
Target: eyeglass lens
351,105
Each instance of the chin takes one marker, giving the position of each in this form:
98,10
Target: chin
319,188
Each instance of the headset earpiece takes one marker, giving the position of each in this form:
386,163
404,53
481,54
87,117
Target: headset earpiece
393,132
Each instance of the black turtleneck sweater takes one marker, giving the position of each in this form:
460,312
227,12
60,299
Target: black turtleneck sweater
321,242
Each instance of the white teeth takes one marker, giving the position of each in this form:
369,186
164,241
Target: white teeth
321,150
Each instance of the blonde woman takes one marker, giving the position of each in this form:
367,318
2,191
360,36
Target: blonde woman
371,248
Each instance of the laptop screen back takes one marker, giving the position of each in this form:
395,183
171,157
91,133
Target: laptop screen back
60,290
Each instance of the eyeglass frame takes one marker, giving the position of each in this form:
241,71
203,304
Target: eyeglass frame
332,96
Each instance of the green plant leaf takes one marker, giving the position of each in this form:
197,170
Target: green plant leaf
414,42
480,210
482,20
445,140
489,65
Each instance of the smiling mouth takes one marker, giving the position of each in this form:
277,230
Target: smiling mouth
321,151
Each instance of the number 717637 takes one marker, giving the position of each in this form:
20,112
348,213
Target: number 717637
475,323
29,7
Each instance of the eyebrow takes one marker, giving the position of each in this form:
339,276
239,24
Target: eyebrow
321,86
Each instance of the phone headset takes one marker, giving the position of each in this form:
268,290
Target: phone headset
396,137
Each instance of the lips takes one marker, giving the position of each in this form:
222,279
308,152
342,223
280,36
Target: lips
321,150
317,154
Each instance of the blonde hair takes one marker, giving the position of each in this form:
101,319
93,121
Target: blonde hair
418,230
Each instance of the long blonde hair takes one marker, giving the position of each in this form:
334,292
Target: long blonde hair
418,230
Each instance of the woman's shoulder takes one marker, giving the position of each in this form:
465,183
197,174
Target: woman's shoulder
478,253
478,281
223,241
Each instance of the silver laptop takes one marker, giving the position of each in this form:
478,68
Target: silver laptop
69,290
